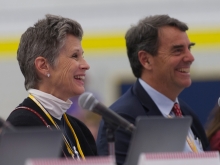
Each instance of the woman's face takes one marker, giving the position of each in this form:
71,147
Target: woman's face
68,75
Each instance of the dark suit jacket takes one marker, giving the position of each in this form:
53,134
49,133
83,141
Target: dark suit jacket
136,102
25,118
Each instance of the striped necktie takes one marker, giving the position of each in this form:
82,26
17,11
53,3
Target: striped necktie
178,113
176,110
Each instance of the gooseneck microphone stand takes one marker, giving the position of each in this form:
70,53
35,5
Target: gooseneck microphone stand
111,141
110,134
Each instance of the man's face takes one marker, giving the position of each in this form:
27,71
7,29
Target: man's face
171,65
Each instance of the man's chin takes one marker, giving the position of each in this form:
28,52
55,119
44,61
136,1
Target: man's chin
186,85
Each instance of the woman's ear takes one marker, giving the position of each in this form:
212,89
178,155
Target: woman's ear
145,59
41,66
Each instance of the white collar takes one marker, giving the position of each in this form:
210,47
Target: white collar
56,107
163,103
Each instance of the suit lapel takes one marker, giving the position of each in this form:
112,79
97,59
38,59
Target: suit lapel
186,113
150,107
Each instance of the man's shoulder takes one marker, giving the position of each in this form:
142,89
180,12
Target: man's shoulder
126,99
128,103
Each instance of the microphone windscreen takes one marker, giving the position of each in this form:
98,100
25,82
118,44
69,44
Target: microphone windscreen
87,101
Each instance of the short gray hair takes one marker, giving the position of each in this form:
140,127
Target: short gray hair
46,38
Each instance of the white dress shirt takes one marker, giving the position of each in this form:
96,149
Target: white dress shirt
165,106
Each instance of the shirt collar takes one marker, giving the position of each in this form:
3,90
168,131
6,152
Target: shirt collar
163,103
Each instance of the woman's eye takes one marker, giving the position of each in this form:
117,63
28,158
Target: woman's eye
75,56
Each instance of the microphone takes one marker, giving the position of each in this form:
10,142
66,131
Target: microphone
88,101
6,124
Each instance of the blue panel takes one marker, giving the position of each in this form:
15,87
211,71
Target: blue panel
201,96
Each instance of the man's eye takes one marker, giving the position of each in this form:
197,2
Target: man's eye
178,50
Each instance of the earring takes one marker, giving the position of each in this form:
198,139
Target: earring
48,74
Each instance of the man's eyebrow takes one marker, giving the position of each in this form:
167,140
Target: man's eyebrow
181,46
192,44
177,47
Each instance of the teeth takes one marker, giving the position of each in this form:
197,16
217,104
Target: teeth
184,70
80,77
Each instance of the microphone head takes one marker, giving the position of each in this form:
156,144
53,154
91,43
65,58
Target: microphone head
87,101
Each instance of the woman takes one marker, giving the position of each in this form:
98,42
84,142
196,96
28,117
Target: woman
50,57
213,128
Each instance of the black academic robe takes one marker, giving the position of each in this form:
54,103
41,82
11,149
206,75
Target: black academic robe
25,118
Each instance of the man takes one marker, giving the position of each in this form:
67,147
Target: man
158,49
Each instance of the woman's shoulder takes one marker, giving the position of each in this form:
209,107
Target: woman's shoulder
23,117
25,114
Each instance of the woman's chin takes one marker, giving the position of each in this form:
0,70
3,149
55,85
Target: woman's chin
79,92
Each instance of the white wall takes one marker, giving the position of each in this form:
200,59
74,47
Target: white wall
101,17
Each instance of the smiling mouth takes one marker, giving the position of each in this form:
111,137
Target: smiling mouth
184,70
79,77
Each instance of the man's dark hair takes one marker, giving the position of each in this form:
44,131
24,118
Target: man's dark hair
144,36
